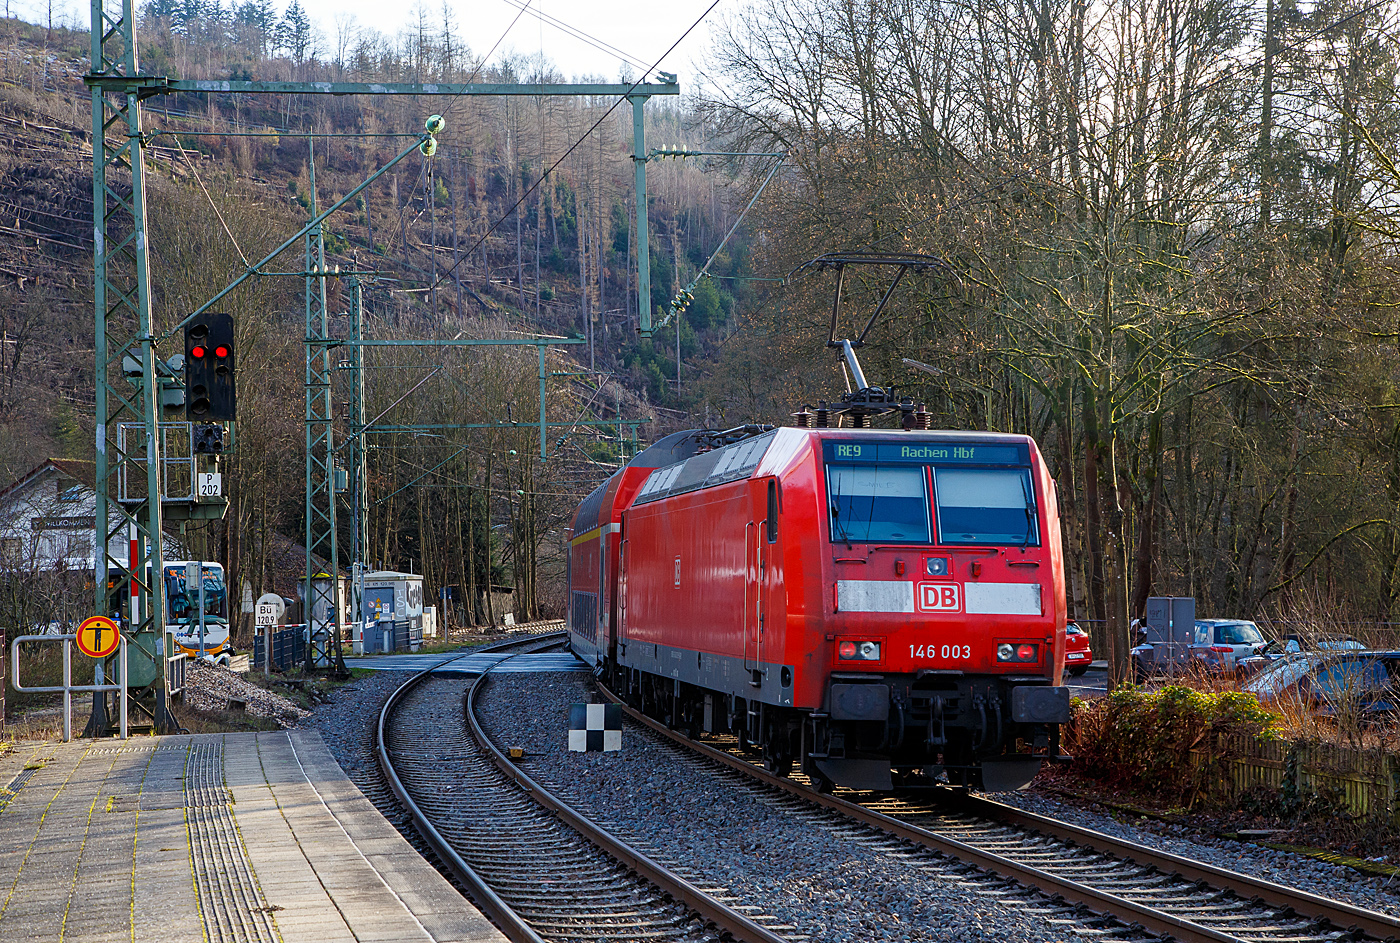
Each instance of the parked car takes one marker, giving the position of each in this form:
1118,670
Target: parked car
1322,643
1220,644
1077,653
1331,681
1292,645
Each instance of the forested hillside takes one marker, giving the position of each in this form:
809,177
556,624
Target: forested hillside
504,232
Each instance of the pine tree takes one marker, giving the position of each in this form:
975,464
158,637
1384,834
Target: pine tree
295,32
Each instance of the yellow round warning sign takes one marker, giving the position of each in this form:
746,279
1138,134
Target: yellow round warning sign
98,637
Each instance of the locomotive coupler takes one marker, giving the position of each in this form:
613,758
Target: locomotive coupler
937,735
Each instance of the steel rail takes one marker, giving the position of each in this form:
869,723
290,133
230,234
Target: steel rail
480,891
1130,912
1340,913
724,918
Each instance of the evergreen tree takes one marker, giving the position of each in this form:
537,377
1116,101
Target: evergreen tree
257,22
162,9
294,33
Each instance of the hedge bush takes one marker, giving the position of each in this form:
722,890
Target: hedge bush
1142,740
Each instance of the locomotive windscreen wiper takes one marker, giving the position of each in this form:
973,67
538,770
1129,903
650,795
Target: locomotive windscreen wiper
838,525
1030,515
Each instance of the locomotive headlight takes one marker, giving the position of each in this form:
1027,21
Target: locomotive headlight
937,566
858,651
1022,652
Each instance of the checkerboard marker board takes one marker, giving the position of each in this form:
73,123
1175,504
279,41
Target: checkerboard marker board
595,728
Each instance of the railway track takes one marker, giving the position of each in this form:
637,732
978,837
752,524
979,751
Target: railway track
1140,887
540,870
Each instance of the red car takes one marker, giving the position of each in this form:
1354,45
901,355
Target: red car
1077,654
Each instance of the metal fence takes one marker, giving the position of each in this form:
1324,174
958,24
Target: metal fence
68,688
288,646
392,636
288,643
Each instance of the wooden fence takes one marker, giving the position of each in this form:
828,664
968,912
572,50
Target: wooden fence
1365,782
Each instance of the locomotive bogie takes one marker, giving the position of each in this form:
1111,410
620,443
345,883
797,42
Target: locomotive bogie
882,607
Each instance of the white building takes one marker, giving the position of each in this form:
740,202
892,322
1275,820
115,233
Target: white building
48,521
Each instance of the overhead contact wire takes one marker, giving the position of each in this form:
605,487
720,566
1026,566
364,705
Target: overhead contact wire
575,145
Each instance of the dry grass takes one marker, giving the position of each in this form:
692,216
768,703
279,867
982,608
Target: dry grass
41,665
195,721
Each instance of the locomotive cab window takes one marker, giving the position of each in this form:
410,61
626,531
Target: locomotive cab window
986,506
877,504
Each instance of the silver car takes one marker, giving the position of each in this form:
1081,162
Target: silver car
1331,682
1220,644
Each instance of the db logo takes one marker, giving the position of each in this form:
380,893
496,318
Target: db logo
940,597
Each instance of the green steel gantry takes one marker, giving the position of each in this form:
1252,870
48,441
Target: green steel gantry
125,333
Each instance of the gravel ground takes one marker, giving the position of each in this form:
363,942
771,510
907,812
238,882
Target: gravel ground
1319,877
796,866
347,725
211,687
655,791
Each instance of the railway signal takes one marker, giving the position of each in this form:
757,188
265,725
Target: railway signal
208,439
209,364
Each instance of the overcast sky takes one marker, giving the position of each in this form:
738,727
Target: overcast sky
641,31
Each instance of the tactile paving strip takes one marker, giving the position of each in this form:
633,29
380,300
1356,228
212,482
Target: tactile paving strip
15,785
230,900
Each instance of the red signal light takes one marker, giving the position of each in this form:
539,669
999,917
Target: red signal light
220,351
197,353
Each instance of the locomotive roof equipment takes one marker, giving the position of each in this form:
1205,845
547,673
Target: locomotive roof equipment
864,401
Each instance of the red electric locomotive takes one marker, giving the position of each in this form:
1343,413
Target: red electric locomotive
885,607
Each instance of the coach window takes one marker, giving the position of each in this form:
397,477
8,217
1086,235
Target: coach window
877,504
985,506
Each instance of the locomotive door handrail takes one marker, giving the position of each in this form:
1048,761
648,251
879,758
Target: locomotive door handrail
621,629
749,641
753,601
761,584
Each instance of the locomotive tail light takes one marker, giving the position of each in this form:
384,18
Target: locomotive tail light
858,651
1023,652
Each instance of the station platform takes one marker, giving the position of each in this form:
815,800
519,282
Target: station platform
216,837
